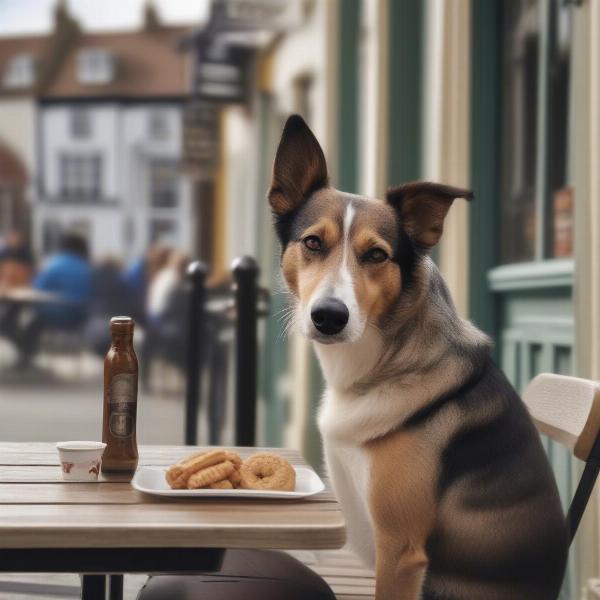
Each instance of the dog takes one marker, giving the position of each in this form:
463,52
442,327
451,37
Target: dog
439,470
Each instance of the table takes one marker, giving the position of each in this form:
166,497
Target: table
27,295
48,525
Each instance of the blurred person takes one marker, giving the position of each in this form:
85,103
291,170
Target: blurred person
158,257
137,278
16,270
67,275
164,280
109,297
16,262
167,314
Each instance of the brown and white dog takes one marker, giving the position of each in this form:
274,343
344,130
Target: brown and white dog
442,477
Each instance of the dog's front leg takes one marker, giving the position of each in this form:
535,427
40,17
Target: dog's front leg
403,507
400,569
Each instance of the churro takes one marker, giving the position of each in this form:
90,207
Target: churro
209,475
189,467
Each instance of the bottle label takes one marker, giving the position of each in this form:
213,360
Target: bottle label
122,404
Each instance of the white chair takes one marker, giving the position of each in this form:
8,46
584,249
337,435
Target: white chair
567,409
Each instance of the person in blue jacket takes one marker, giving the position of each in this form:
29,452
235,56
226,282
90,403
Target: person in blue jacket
67,275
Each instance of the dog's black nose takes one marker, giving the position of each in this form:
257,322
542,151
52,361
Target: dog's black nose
329,315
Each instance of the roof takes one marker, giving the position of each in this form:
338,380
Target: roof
15,46
148,64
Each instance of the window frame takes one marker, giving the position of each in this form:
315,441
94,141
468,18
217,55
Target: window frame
76,171
153,168
19,72
80,122
158,124
548,13
95,66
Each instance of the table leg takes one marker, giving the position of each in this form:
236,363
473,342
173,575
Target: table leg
93,587
115,587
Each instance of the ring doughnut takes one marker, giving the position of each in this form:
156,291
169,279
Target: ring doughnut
265,471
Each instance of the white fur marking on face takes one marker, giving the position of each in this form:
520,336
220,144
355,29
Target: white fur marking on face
344,285
339,285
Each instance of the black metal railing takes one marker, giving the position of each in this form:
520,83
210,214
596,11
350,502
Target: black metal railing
197,277
213,314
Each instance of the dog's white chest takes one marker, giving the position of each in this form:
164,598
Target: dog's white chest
349,469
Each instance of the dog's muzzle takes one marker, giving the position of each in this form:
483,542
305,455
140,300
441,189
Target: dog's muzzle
329,316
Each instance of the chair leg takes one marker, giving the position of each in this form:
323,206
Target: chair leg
582,495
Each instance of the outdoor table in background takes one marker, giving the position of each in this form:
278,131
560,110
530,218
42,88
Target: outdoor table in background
29,296
48,525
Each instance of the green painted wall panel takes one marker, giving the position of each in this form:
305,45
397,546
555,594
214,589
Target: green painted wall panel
348,63
485,159
405,90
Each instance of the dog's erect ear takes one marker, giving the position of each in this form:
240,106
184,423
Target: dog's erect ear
299,167
423,206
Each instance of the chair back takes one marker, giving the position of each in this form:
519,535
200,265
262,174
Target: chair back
566,409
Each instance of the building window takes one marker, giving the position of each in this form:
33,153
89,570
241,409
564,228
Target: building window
80,122
51,234
163,230
158,125
95,66
163,184
80,176
537,202
20,72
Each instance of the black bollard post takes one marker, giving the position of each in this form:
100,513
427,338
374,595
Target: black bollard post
196,274
245,273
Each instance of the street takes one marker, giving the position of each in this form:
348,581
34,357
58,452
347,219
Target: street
63,401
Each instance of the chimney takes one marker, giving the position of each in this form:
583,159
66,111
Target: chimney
62,17
151,18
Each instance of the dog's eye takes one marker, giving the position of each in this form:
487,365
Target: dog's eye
375,255
313,243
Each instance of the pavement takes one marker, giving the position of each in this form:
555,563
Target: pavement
62,400
53,586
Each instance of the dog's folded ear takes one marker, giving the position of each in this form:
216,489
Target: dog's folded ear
299,167
422,207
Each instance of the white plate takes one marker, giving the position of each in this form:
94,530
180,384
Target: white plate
151,480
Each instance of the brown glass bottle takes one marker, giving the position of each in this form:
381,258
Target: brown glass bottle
120,400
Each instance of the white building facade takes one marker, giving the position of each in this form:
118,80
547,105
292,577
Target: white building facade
110,170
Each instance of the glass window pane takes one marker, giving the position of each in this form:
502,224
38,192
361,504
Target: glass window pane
520,59
559,214
80,122
163,230
163,185
81,176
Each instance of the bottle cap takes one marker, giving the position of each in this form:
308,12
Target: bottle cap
121,324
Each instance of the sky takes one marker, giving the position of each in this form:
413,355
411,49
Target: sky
35,16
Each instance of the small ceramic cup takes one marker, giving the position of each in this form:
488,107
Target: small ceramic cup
80,461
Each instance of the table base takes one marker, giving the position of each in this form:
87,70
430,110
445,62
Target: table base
96,563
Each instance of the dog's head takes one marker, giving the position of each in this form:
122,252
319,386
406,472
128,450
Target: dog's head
346,258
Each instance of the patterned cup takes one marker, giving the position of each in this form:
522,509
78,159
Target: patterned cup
80,461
